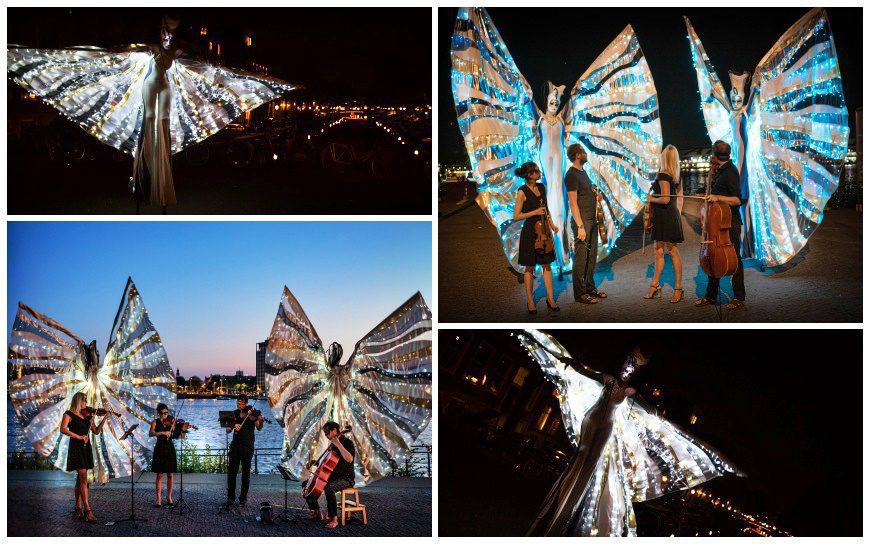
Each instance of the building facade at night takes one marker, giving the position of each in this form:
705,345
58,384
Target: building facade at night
261,366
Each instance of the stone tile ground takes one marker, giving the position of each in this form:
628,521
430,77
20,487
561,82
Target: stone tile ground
39,503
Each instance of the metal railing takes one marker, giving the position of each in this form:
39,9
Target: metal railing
418,464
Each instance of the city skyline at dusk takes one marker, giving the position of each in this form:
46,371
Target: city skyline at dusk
212,289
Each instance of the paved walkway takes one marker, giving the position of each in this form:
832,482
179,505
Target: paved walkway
477,285
39,503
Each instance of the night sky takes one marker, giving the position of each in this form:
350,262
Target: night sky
784,406
378,55
559,44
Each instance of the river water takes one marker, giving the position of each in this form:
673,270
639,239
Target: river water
204,414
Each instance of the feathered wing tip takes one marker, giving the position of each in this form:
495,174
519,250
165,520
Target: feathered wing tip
613,113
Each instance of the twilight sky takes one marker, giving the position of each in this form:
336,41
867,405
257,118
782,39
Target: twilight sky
212,288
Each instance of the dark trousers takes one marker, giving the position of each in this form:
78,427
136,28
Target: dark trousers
737,278
585,259
239,454
332,487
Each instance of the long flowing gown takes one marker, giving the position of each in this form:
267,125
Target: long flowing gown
152,170
552,152
559,516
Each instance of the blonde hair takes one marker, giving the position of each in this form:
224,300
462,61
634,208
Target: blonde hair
75,400
670,163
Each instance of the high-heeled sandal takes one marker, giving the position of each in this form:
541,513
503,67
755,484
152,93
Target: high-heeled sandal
657,291
94,518
553,308
677,299
77,513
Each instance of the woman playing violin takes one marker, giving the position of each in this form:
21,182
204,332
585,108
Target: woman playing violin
531,205
164,460
77,423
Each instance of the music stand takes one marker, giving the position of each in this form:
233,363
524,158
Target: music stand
128,435
180,504
227,418
286,513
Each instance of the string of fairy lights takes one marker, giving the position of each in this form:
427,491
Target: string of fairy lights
612,111
789,141
384,390
134,377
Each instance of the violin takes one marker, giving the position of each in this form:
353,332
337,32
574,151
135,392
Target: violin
718,256
325,465
253,414
543,232
180,426
599,216
89,411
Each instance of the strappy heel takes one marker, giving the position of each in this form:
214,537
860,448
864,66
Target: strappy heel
675,299
657,291
553,308
78,514
92,519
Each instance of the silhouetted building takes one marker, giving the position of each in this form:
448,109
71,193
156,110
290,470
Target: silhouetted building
261,366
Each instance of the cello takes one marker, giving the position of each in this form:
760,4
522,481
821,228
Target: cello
327,462
717,257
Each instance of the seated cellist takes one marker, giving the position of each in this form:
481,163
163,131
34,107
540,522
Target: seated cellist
342,476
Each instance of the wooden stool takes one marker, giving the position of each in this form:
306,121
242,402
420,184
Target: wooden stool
348,505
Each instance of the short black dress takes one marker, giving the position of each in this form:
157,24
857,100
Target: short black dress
527,256
667,225
80,454
163,461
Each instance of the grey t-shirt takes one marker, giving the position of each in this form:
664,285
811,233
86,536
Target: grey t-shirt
577,180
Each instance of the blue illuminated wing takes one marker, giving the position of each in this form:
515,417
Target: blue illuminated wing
715,104
298,384
135,377
613,112
577,391
206,97
497,118
798,133
389,396
99,90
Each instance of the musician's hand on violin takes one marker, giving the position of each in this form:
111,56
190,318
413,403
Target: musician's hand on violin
554,228
85,438
237,427
539,211
712,198
599,197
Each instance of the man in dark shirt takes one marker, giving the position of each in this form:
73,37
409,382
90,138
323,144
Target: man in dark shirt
726,189
342,476
582,200
241,449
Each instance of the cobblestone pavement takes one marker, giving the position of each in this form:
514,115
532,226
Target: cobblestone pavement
40,503
823,284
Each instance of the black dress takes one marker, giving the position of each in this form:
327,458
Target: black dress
80,454
527,256
667,226
163,461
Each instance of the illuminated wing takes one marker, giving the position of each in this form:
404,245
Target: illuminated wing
135,377
298,383
497,118
715,104
389,395
613,112
99,90
206,97
798,132
577,392
646,457
48,363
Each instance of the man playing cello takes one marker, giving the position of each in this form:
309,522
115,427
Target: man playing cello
342,476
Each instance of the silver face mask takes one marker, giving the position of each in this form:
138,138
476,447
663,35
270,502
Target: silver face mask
738,86
554,97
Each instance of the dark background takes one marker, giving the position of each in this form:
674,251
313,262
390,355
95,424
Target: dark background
374,55
559,44
783,405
